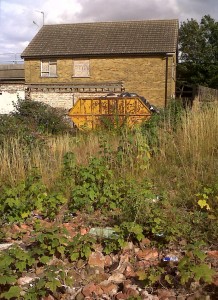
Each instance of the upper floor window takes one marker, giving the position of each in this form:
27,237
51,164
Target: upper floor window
81,68
49,68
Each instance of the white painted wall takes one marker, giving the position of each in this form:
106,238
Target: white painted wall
8,95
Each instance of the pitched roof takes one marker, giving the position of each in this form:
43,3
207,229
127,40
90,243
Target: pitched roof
104,38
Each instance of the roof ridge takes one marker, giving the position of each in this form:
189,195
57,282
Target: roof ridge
117,22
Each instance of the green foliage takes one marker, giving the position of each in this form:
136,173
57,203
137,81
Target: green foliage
95,188
190,268
48,242
49,283
19,202
13,292
8,126
198,45
80,247
192,265
168,119
13,263
40,117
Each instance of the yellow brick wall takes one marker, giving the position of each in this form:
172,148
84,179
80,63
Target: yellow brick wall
142,75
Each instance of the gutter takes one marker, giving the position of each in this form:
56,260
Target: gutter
166,77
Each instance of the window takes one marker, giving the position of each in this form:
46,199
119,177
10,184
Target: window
48,68
81,68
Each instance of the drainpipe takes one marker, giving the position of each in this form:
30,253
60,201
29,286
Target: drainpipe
166,81
166,77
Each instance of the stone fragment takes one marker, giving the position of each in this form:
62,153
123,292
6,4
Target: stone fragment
109,288
89,289
164,294
147,254
121,296
96,259
129,271
145,243
25,280
213,254
117,278
108,261
131,292
5,246
196,296
215,280
49,297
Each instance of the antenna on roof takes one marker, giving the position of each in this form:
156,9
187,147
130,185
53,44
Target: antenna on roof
35,23
43,16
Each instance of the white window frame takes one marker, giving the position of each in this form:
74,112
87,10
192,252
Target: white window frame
48,73
81,68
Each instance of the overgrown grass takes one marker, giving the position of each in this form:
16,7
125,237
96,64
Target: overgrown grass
174,156
184,153
187,157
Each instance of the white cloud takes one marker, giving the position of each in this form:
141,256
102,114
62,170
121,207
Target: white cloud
63,11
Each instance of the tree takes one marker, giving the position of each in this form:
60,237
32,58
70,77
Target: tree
198,52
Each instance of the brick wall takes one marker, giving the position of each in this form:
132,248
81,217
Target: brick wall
142,75
61,100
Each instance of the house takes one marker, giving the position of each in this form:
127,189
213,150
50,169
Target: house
67,61
12,86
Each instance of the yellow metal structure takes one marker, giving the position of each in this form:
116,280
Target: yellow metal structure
89,113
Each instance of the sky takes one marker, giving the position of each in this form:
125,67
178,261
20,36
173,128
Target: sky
20,20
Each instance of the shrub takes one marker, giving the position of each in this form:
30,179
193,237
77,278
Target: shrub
41,117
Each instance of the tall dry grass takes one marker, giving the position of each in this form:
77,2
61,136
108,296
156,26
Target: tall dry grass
186,160
188,156
18,158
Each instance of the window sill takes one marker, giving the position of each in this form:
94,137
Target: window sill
81,76
49,76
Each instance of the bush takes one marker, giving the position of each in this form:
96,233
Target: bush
41,117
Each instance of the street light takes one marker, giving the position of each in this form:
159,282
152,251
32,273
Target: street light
43,16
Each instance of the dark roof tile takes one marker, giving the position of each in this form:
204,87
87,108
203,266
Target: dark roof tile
104,38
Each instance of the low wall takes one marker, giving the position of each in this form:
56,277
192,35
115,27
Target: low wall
9,94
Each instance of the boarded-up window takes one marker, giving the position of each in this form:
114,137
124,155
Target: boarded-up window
81,68
48,68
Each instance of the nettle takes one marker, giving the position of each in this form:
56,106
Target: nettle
48,242
95,188
80,247
13,262
192,267
18,203
53,281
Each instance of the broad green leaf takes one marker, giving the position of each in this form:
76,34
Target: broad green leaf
168,279
61,249
13,292
25,215
44,259
74,256
201,255
204,272
53,285
86,251
9,279
142,275
5,261
21,266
